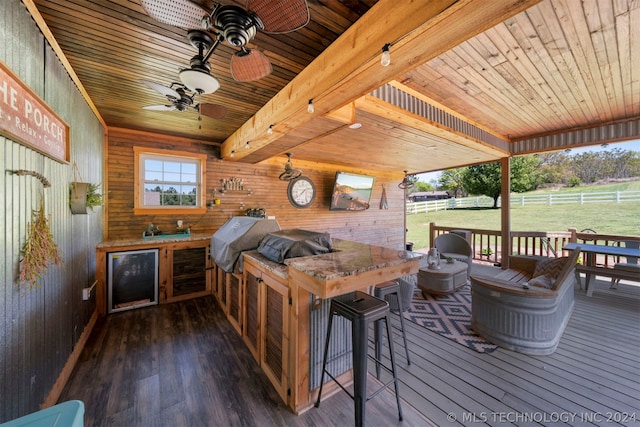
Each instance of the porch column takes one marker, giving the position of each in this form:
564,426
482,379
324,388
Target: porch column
505,210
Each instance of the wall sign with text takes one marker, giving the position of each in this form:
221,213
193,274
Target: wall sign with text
25,118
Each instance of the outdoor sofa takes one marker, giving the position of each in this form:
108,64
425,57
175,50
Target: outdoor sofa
526,307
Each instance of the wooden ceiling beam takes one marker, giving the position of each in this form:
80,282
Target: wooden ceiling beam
350,67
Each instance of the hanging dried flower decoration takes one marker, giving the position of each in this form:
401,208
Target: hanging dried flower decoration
39,250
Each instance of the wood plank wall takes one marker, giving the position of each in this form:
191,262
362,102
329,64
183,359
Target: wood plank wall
383,227
40,327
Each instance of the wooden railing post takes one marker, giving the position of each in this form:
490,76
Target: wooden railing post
432,233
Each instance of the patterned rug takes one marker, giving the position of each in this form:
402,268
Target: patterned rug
449,316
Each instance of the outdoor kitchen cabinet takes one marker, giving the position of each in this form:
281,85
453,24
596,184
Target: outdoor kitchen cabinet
228,290
233,285
266,322
190,276
184,267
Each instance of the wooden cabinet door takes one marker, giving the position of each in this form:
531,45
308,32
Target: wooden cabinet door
234,300
221,288
189,271
274,344
251,307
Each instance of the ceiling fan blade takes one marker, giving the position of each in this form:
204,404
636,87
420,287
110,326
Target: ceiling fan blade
159,107
214,111
166,91
280,16
179,13
290,174
249,65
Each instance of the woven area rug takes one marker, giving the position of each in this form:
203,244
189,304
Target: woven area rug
449,316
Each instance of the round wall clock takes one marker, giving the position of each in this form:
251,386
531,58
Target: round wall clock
301,192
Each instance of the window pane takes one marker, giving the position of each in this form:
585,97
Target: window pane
172,167
153,165
170,181
171,177
189,168
152,195
152,176
188,177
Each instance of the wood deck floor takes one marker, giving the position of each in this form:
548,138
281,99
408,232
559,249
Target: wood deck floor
183,365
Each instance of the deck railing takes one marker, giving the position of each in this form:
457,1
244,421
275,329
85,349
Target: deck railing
487,244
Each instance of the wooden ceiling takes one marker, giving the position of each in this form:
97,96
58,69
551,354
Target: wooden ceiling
508,70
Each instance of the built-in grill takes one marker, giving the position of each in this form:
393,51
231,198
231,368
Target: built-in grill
283,244
240,233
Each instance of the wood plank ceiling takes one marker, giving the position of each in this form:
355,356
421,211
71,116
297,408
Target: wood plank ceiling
507,70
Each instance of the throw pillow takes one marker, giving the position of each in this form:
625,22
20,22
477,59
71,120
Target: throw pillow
550,267
542,281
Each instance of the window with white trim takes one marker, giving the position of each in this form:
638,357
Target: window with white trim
169,181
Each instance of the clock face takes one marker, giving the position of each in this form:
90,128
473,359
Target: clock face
301,192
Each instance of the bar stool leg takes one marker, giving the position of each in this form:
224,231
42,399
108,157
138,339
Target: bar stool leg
378,335
360,349
387,322
324,360
377,340
404,334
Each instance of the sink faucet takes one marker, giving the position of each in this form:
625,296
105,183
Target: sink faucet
152,229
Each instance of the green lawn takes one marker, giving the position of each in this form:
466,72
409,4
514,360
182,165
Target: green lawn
609,218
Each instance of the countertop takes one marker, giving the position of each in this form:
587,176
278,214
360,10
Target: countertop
350,258
152,242
279,270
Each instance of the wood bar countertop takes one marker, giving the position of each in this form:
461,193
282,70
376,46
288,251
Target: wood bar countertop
351,266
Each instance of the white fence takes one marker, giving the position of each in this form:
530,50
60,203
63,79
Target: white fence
524,200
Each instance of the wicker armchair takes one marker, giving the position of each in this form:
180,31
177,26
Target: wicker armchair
453,246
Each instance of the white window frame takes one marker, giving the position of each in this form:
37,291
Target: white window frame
143,153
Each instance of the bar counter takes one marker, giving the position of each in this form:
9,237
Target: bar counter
314,279
351,266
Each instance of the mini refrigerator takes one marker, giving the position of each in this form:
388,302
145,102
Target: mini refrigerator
132,279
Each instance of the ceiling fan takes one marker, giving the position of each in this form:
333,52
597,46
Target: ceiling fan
407,183
233,25
290,173
181,99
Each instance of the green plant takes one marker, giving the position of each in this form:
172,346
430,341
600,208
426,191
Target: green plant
94,198
486,251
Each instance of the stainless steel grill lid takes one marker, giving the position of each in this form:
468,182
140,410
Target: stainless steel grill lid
240,233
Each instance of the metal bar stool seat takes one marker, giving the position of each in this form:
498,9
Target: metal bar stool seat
361,309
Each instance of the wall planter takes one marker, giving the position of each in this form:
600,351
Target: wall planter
84,196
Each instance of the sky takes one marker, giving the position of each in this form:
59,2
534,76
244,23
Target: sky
628,146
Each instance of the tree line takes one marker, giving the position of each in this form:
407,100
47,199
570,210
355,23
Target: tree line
540,170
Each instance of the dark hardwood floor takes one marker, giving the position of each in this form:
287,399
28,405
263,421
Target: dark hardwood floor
183,364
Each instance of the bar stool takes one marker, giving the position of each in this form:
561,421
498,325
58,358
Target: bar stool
386,291
360,309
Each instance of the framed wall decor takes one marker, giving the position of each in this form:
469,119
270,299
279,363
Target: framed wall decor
28,120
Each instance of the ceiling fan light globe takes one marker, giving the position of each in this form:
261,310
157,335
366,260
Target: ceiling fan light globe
199,81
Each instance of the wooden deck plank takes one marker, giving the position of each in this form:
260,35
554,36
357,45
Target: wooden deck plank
195,353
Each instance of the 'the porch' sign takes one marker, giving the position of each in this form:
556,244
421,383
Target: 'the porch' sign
25,118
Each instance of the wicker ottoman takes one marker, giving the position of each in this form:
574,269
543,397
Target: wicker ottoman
448,279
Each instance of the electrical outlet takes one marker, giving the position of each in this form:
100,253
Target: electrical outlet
86,294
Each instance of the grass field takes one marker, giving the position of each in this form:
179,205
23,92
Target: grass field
623,218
